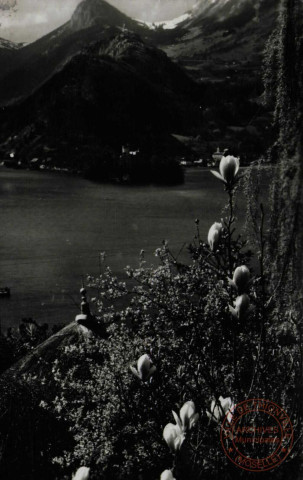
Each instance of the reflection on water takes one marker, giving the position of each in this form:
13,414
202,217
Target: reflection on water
53,228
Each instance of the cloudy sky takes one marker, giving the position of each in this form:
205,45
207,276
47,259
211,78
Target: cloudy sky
27,20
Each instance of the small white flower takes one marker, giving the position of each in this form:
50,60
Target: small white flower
220,408
242,305
173,436
188,416
167,475
214,235
229,167
145,368
82,474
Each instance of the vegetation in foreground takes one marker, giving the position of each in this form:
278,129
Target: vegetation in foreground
194,339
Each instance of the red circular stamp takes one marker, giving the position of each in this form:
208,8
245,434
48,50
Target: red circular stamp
257,435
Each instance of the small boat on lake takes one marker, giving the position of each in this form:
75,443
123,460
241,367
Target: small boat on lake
5,292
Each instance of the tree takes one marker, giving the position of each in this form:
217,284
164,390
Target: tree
283,86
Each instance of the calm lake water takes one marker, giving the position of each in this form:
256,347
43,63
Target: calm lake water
54,226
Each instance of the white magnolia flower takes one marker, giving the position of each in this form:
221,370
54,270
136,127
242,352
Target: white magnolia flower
241,278
167,475
242,305
82,474
145,368
229,167
214,235
173,436
188,416
220,408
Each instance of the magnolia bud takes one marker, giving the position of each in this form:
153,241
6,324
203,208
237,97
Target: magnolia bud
241,306
145,368
82,474
220,408
167,475
241,277
188,415
214,235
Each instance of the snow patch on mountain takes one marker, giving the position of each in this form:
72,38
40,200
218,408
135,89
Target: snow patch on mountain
168,24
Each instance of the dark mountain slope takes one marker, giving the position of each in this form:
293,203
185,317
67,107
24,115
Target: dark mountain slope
115,92
8,53
37,62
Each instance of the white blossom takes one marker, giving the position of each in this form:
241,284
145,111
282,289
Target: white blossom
188,416
145,368
229,167
173,436
220,408
167,475
241,306
214,235
82,474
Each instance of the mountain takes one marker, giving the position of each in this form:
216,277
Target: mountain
217,39
98,12
37,62
220,43
103,80
118,90
222,38
223,10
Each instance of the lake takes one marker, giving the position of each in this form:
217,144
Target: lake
53,228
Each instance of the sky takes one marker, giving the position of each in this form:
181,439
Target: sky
27,20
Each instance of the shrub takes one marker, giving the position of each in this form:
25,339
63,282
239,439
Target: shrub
211,328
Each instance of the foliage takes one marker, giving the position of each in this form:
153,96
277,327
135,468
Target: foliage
223,327
29,436
283,74
187,318
283,82
17,342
